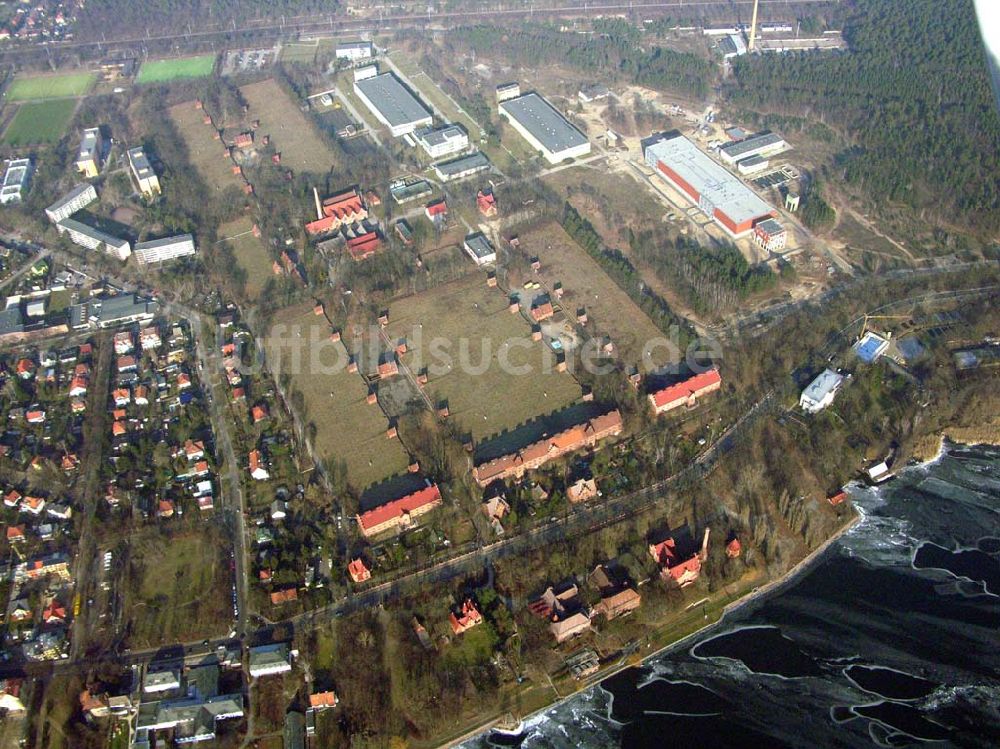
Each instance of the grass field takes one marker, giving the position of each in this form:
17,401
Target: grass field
206,153
302,52
585,284
250,253
180,588
294,134
347,427
39,122
60,85
489,402
160,71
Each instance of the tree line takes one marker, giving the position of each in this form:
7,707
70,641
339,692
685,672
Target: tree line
613,52
708,280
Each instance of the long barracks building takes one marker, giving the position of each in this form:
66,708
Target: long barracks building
718,193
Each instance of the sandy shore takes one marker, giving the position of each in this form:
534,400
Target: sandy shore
800,568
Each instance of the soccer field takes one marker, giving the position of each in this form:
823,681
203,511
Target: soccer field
39,122
24,88
159,71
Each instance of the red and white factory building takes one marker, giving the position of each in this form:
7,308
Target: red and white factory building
718,193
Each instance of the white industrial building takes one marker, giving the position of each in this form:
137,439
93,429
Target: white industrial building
442,141
821,391
354,51
161,250
762,144
91,238
15,180
392,104
545,128
76,199
478,247
508,91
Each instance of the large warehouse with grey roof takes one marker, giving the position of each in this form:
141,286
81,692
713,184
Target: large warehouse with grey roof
718,193
545,128
392,103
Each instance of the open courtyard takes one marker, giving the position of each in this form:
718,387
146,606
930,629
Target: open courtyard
480,357
346,430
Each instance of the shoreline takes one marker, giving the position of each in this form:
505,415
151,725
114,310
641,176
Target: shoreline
794,572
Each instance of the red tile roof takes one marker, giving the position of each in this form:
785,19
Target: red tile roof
437,208
468,616
358,571
542,311
427,496
323,699
284,596
558,444
681,391
364,245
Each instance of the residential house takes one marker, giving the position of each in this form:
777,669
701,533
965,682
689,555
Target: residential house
581,490
287,595
358,571
487,203
322,700
399,513
465,617
257,470
674,566
437,210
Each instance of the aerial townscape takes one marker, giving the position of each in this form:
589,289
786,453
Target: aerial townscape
387,375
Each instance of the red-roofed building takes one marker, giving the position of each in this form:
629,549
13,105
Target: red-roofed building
55,613
25,368
542,311
516,464
837,498
388,368
12,498
258,413
341,210
734,548
363,246
682,571
436,210
243,140
486,203
78,387
686,393
127,364
15,533
322,700
36,416
287,595
257,470
399,513
465,618
165,509
118,429
358,571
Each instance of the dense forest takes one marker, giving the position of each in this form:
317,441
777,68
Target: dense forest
613,51
708,280
913,96
130,18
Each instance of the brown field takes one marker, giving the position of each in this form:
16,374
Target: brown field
494,400
250,253
179,587
293,133
206,153
609,309
347,428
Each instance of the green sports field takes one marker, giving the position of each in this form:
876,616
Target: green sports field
28,87
39,122
159,71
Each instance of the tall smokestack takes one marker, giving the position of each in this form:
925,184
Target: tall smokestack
319,208
753,27
704,545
